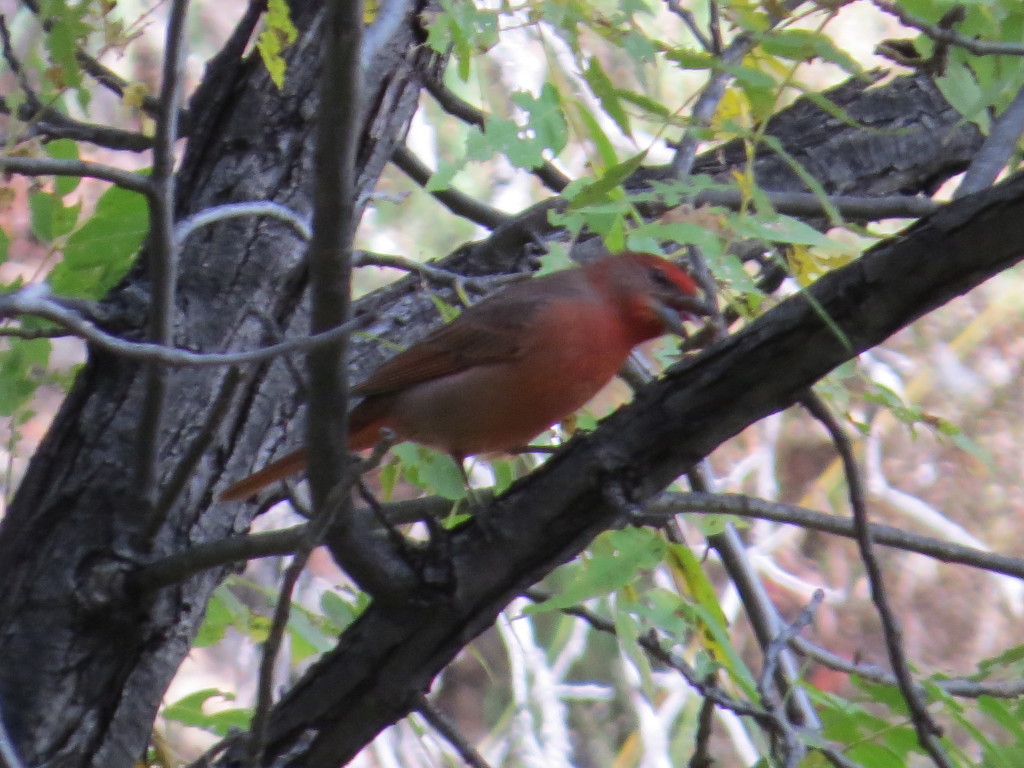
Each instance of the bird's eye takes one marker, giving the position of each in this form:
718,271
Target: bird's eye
661,279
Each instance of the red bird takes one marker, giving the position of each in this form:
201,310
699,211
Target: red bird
509,367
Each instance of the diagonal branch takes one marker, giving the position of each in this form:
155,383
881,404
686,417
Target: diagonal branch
455,201
394,650
928,731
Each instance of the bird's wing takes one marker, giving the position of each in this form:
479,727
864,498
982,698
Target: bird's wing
488,332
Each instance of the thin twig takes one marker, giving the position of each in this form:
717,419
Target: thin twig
691,24
928,732
710,96
162,262
852,207
957,686
313,535
786,633
436,274
651,646
950,36
46,166
761,612
209,216
115,83
29,334
455,201
441,723
748,506
701,757
264,688
44,120
34,300
178,567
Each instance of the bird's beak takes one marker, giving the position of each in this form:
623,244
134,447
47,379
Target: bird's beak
682,308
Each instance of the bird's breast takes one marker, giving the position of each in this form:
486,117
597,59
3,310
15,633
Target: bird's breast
566,358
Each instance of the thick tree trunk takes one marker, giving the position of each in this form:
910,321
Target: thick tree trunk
81,675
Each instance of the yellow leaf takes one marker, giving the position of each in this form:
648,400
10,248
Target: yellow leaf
734,109
134,94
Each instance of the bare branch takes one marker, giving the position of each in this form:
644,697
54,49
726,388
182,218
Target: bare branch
950,36
34,300
375,564
701,757
963,687
457,202
928,731
999,146
761,612
162,263
691,24
436,274
337,503
205,218
444,726
748,506
852,207
176,568
45,166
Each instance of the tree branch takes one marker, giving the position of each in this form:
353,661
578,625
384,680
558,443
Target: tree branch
927,729
44,166
162,264
455,201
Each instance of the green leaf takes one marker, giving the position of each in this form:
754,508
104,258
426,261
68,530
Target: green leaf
962,91
431,470
99,253
546,118
615,559
189,711
22,370
307,637
607,95
215,623
64,149
41,206
806,44
594,132
875,755
645,103
278,34
337,611
65,31
600,190
783,229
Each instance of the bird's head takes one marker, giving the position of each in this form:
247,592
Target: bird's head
658,295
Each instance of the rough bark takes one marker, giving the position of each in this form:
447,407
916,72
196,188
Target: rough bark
84,665
81,676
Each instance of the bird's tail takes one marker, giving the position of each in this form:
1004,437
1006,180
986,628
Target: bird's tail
365,423
278,470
